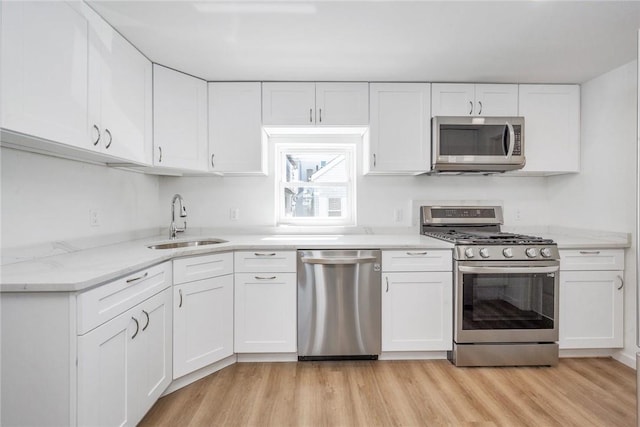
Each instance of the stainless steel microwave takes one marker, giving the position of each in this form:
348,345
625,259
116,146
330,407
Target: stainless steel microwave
477,144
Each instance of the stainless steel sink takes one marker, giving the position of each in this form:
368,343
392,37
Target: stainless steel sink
186,243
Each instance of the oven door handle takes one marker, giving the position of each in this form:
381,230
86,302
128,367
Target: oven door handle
507,270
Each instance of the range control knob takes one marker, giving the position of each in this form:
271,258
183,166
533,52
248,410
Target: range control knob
507,252
531,252
484,253
545,252
469,253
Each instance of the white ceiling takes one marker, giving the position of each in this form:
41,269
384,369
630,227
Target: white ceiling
457,41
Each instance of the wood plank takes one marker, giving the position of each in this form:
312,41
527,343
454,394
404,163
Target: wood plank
577,392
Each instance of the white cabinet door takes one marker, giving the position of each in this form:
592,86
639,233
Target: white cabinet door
591,309
467,99
399,130
179,120
105,365
154,351
202,323
417,311
552,127
452,99
288,103
44,71
120,98
236,145
265,313
494,100
342,104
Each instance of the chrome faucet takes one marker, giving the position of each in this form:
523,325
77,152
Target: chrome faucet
173,228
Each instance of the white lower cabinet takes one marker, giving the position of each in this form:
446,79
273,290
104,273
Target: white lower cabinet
417,294
591,299
265,313
124,365
416,311
203,323
202,311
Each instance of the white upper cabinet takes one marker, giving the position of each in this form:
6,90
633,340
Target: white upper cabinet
235,131
467,99
400,126
120,98
44,71
321,104
179,120
551,128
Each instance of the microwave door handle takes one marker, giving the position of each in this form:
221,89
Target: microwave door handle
512,139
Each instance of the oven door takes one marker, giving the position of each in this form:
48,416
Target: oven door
506,302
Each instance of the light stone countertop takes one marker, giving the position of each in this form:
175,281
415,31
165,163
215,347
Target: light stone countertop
83,269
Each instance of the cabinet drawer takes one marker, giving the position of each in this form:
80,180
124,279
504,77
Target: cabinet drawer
417,260
105,302
265,261
592,259
202,267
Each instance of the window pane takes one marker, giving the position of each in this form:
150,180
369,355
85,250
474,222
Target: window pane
315,167
315,202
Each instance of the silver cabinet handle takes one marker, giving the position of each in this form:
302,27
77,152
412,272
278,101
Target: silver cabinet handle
416,253
160,158
589,252
374,160
97,139
110,138
387,279
264,254
137,327
212,164
621,282
148,320
180,293
310,115
135,279
264,278
470,107
320,115
480,110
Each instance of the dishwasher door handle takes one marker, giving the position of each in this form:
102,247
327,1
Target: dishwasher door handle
336,260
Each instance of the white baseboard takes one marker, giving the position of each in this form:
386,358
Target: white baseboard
412,355
184,381
267,357
627,359
588,352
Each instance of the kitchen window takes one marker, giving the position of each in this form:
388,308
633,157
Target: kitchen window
316,181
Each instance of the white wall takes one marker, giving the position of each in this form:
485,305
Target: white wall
209,199
603,195
47,199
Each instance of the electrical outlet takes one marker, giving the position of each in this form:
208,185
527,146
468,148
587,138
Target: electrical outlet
94,218
397,214
234,214
518,215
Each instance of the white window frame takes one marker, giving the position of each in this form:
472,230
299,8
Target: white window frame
316,145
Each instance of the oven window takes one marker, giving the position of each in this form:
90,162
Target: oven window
508,301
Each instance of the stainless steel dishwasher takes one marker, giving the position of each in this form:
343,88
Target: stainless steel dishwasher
339,304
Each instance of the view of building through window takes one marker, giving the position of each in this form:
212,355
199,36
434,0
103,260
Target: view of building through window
316,183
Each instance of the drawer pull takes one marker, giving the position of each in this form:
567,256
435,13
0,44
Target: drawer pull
416,253
137,327
148,320
589,252
264,278
262,254
621,282
135,279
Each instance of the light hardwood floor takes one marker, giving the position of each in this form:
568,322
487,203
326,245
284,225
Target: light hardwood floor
578,392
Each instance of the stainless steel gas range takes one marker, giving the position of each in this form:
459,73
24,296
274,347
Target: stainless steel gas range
505,288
